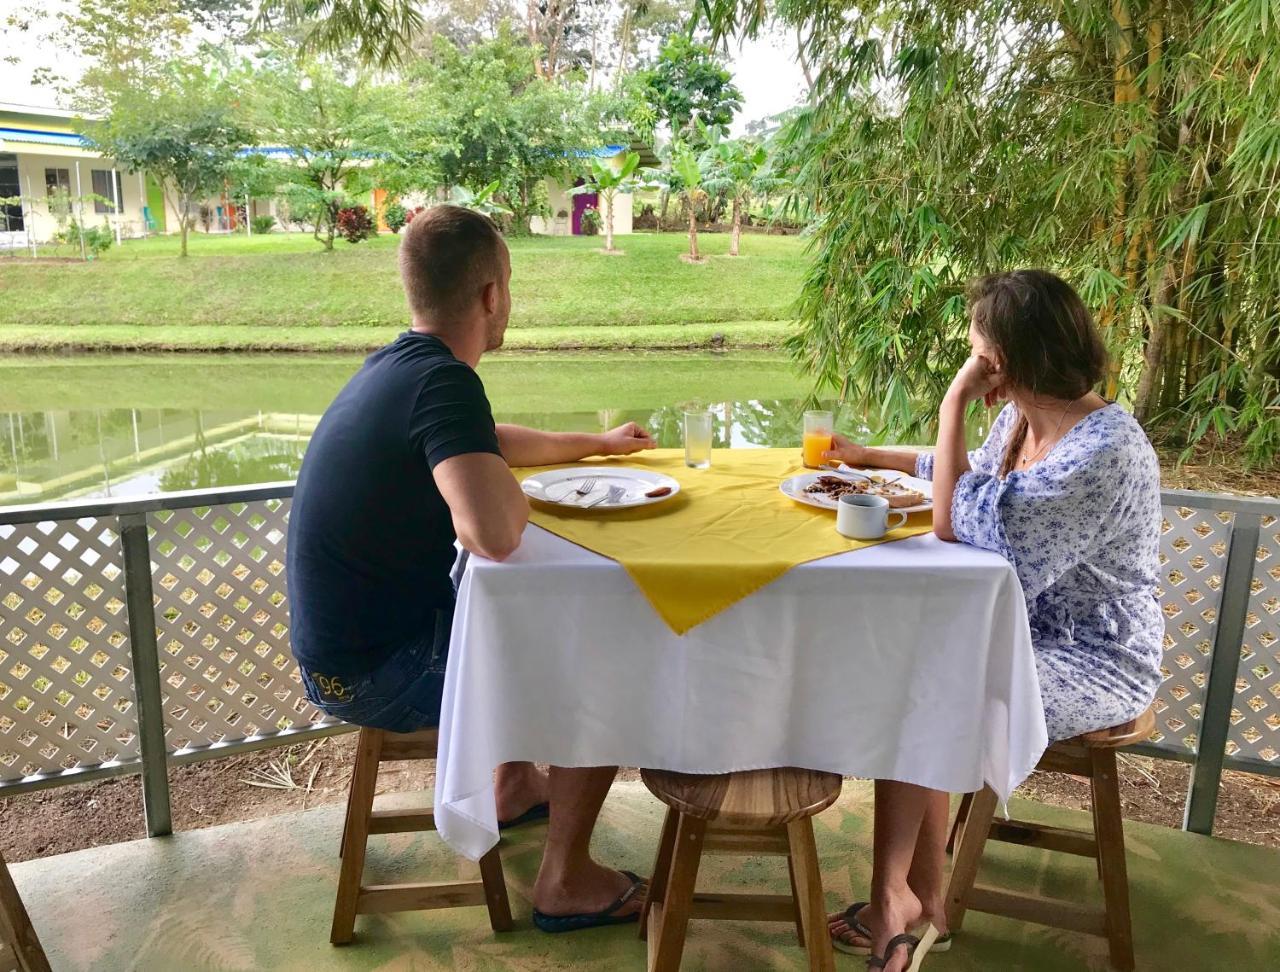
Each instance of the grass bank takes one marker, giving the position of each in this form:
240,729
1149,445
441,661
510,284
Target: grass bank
282,291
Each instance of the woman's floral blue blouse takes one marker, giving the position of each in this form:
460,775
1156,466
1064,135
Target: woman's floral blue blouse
1082,529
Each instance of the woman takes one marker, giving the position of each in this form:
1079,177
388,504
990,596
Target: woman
1067,488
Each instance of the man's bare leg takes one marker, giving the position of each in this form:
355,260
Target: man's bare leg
569,881
519,787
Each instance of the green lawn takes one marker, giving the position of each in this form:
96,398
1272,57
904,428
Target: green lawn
283,292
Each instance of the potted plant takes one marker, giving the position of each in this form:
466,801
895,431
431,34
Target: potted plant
590,221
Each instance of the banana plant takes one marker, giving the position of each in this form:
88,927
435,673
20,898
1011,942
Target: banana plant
481,201
607,182
686,164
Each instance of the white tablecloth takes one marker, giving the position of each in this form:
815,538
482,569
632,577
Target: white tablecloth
909,661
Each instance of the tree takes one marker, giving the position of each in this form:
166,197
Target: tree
607,181
733,167
688,86
381,31
181,128
484,115
685,164
334,127
1133,146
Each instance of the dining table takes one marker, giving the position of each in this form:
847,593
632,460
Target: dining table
908,659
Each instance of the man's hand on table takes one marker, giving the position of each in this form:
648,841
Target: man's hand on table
625,440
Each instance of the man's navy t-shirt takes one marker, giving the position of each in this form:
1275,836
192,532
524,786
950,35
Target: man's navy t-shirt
371,540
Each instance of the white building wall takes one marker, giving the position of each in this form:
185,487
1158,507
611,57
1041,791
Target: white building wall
559,200
43,225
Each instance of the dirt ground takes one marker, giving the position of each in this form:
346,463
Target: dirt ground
259,784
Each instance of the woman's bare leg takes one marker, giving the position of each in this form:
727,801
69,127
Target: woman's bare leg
907,876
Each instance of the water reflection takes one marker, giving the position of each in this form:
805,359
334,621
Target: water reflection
122,452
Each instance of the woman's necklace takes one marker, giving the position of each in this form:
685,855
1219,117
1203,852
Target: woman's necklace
1028,459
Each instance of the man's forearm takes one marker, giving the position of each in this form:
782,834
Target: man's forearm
523,446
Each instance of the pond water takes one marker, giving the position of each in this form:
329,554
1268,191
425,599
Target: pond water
119,425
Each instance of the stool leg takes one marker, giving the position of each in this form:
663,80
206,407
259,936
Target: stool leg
661,872
495,891
364,781
672,916
1110,837
962,814
973,840
812,907
15,927
795,896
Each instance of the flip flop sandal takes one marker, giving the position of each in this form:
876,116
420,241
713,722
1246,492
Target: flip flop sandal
556,924
917,949
855,926
539,811
941,944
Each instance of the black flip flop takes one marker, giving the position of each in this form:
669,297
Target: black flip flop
855,926
917,949
880,961
557,924
539,811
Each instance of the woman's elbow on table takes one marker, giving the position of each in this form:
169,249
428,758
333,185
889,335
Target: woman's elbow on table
943,531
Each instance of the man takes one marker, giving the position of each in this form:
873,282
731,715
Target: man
406,460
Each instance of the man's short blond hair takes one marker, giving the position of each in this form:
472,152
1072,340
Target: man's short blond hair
447,256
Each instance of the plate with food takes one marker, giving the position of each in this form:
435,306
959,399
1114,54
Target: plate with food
600,487
824,488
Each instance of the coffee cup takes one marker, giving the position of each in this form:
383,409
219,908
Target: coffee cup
862,516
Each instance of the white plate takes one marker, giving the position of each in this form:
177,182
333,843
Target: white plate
794,487
558,486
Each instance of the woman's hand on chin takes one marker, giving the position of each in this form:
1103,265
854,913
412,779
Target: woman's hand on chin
979,377
843,450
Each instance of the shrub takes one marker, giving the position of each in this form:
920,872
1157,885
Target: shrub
590,221
262,224
97,239
410,213
206,216
355,224
395,216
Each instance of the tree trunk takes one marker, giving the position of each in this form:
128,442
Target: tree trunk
608,221
693,232
666,203
736,234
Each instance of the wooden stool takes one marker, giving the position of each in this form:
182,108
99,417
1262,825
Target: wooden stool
18,941
761,812
1092,756
374,747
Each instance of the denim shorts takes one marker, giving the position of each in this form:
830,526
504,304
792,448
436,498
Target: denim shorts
403,694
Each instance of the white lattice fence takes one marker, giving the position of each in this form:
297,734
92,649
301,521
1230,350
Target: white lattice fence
1193,551
66,686
1255,716
222,624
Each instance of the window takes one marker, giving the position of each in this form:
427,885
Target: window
102,187
10,213
55,179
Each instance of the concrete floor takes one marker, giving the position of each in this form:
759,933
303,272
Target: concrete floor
258,896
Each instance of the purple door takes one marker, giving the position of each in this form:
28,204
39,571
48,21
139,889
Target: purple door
579,204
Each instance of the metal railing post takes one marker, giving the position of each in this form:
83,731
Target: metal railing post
146,673
1215,718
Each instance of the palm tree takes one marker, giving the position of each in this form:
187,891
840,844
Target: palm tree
685,164
607,182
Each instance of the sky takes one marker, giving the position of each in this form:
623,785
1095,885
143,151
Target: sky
765,70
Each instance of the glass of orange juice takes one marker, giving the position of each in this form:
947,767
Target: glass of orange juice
817,437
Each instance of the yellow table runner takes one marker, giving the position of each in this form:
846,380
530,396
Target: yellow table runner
726,534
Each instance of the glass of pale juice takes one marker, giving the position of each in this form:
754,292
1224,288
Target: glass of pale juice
697,438
817,437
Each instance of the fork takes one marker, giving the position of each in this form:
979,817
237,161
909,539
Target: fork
584,488
612,496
